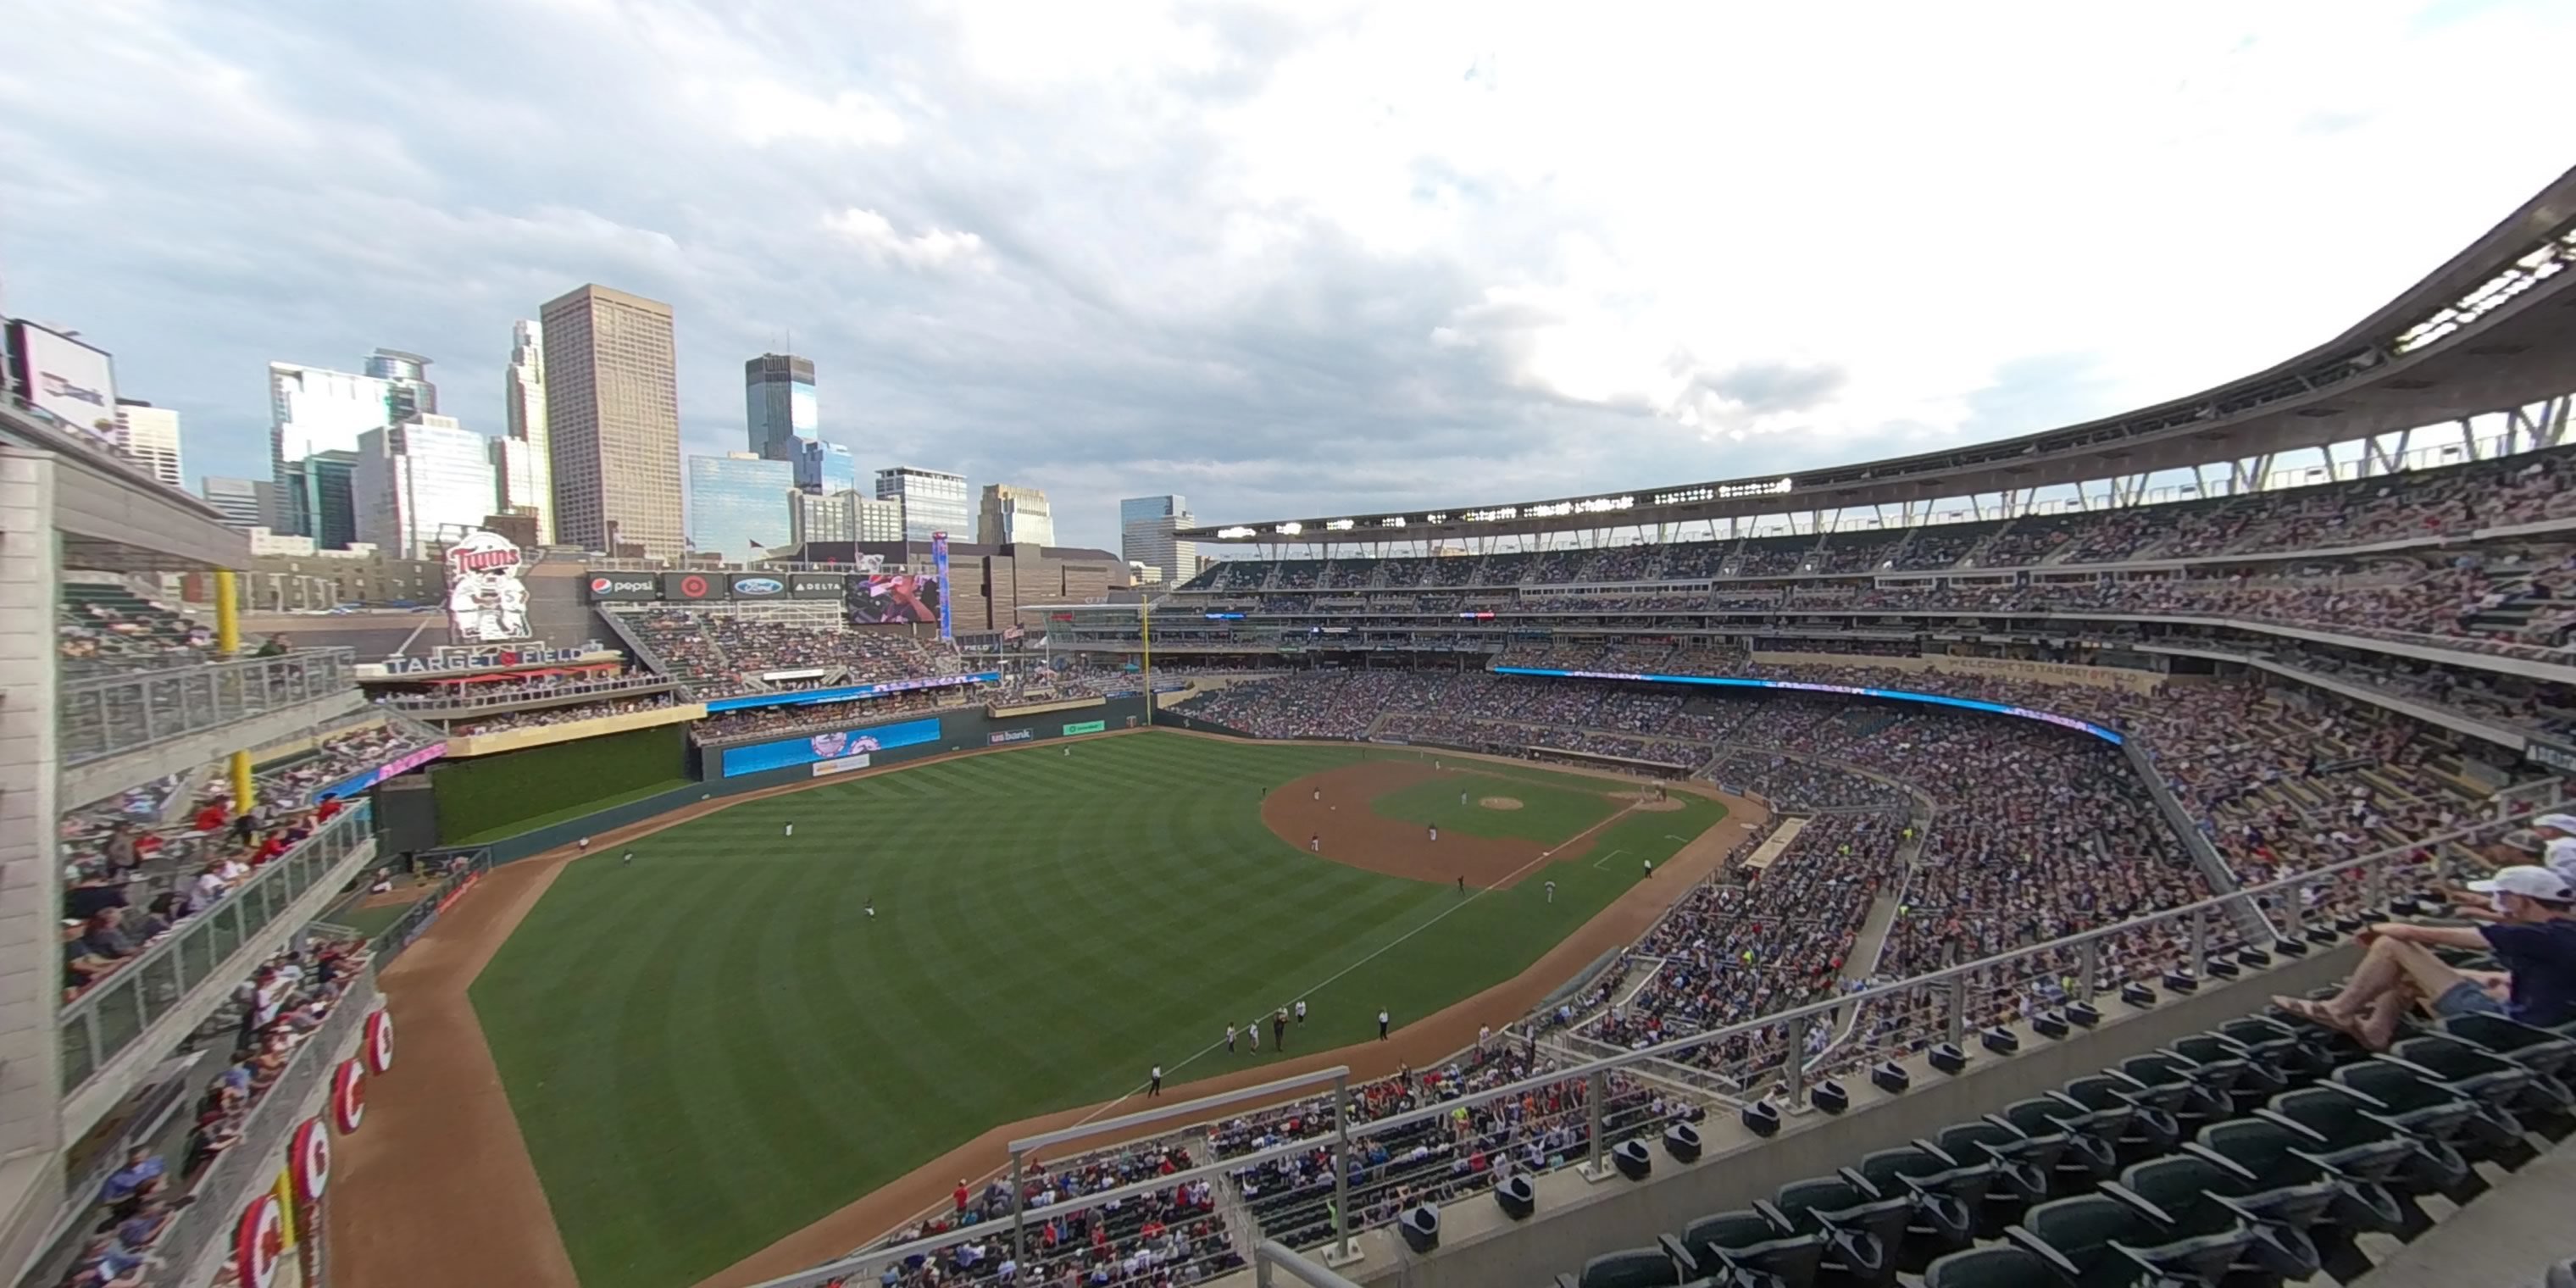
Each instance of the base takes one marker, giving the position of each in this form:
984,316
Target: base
1347,1255
1596,1175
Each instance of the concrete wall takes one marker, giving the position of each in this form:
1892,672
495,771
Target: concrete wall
30,876
1577,1219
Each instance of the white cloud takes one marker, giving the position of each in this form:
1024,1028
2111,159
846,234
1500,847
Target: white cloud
1279,256
875,236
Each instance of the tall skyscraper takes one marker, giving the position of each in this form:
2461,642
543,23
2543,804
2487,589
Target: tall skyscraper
1145,528
317,493
933,501
408,392
315,410
825,467
1013,514
244,503
842,516
419,480
738,505
149,437
521,467
778,405
613,420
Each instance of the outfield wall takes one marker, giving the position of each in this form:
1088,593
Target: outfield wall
487,793
962,730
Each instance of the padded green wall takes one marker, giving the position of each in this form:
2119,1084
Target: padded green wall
490,793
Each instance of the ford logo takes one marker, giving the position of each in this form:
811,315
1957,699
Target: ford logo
757,586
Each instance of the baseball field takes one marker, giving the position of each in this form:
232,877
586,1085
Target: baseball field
717,1044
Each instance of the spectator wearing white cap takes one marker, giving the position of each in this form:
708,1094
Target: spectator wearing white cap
2557,833
2533,934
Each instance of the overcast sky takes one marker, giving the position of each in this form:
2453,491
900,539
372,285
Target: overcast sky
1285,259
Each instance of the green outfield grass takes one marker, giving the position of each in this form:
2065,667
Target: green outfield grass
1548,814
716,1046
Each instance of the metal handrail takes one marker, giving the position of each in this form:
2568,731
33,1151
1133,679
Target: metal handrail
97,1026
108,715
1947,986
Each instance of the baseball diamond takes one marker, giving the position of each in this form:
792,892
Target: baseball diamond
716,1045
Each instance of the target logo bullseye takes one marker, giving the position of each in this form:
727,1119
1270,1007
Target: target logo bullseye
348,1096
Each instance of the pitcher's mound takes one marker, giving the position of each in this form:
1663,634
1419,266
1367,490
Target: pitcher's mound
1499,802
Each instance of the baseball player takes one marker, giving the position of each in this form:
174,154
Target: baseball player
1435,831
1462,800
872,907
1301,1010
1462,883
628,861
1551,892
1650,867
1155,1088
583,844
1319,793
1254,1029
1315,843
1229,1039
1279,1028
1381,1024
791,830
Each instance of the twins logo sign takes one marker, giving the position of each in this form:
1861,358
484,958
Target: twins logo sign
486,601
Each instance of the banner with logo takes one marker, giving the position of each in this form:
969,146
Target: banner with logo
787,752
844,693
939,560
486,600
1087,726
366,778
826,768
692,585
1009,735
624,587
758,587
818,585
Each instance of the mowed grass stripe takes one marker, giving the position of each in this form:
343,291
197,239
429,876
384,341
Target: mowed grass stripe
715,1046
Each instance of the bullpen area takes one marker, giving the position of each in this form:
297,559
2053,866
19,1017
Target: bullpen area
733,1037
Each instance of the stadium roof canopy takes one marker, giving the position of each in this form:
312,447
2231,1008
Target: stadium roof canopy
111,514
2493,329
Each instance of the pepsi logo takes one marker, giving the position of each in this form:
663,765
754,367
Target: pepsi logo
600,585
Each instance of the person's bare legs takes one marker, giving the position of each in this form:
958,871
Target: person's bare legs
2379,1023
2391,967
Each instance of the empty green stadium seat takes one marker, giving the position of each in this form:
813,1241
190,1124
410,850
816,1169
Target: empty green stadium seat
1999,1267
2116,1110
2278,1161
2094,1241
2356,1127
2194,1200
1755,1243
2088,1156
1864,1229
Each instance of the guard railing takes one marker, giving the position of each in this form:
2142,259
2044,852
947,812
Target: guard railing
107,715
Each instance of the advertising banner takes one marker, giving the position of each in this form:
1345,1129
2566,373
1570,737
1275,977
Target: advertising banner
1009,735
624,587
939,560
826,746
817,585
1087,726
486,601
759,587
67,379
825,768
692,585
396,768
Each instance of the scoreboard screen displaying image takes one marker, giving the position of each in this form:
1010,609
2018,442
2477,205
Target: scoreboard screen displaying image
895,598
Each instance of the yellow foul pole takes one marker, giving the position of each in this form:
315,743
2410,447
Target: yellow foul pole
227,614
1145,622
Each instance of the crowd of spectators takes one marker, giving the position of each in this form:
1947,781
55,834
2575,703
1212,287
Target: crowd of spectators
524,687
283,1003
729,725
2444,502
102,628
575,713
1167,1236
723,653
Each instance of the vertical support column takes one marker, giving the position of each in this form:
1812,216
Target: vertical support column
245,793
1958,1006
1342,1249
31,870
1596,1094
1019,1212
2088,972
1793,1078
2200,943
227,614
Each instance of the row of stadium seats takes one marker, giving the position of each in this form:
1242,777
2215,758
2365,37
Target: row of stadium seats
2265,1151
102,626
2420,504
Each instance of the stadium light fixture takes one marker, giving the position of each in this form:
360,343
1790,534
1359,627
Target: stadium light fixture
1291,529
1230,534
1341,525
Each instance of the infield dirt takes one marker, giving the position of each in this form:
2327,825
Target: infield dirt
1332,809
439,1189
